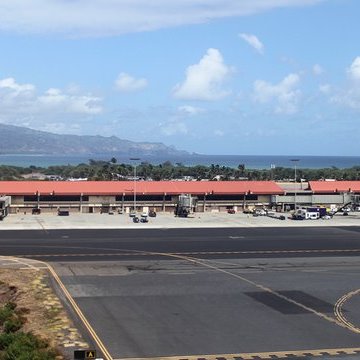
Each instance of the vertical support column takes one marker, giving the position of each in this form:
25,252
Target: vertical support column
81,199
38,199
163,204
295,161
204,204
122,202
244,201
135,188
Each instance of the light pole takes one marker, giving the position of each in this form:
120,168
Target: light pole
295,161
135,159
272,167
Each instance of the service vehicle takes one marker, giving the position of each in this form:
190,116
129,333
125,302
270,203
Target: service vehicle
185,205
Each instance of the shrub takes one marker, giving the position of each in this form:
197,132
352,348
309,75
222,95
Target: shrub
5,314
6,340
17,345
13,324
26,346
10,305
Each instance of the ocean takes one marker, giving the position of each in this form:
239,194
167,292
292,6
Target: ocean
250,161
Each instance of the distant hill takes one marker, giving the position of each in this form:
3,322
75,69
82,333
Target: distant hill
21,140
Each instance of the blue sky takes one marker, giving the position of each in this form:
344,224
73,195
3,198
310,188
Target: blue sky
207,76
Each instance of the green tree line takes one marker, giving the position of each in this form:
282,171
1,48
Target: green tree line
111,170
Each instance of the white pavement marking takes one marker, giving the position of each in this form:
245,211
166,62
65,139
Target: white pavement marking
20,263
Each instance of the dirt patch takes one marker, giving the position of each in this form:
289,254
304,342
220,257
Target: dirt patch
44,313
7,293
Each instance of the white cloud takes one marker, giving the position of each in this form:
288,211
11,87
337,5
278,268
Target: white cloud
204,80
97,18
254,42
354,69
218,132
13,86
285,94
350,95
325,88
348,98
190,110
318,70
21,105
127,83
174,127
12,93
56,100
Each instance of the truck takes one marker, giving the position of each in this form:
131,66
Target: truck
321,210
5,202
307,214
184,206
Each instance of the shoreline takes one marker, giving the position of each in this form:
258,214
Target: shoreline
251,162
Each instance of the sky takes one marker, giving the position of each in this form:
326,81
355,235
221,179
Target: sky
207,76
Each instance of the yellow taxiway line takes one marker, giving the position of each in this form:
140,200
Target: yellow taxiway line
339,313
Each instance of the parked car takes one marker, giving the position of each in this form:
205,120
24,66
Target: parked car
152,213
63,212
231,211
144,218
135,219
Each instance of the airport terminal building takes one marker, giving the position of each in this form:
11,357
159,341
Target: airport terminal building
215,196
105,196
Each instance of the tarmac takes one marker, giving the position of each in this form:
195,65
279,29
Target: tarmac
165,221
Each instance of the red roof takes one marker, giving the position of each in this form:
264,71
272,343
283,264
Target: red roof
334,186
142,187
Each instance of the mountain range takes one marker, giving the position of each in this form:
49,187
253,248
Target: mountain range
22,140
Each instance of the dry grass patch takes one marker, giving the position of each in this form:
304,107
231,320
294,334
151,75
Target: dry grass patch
38,308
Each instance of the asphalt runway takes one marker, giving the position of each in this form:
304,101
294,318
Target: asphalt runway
197,293
174,308
107,245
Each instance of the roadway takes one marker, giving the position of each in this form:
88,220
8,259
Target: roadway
201,292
